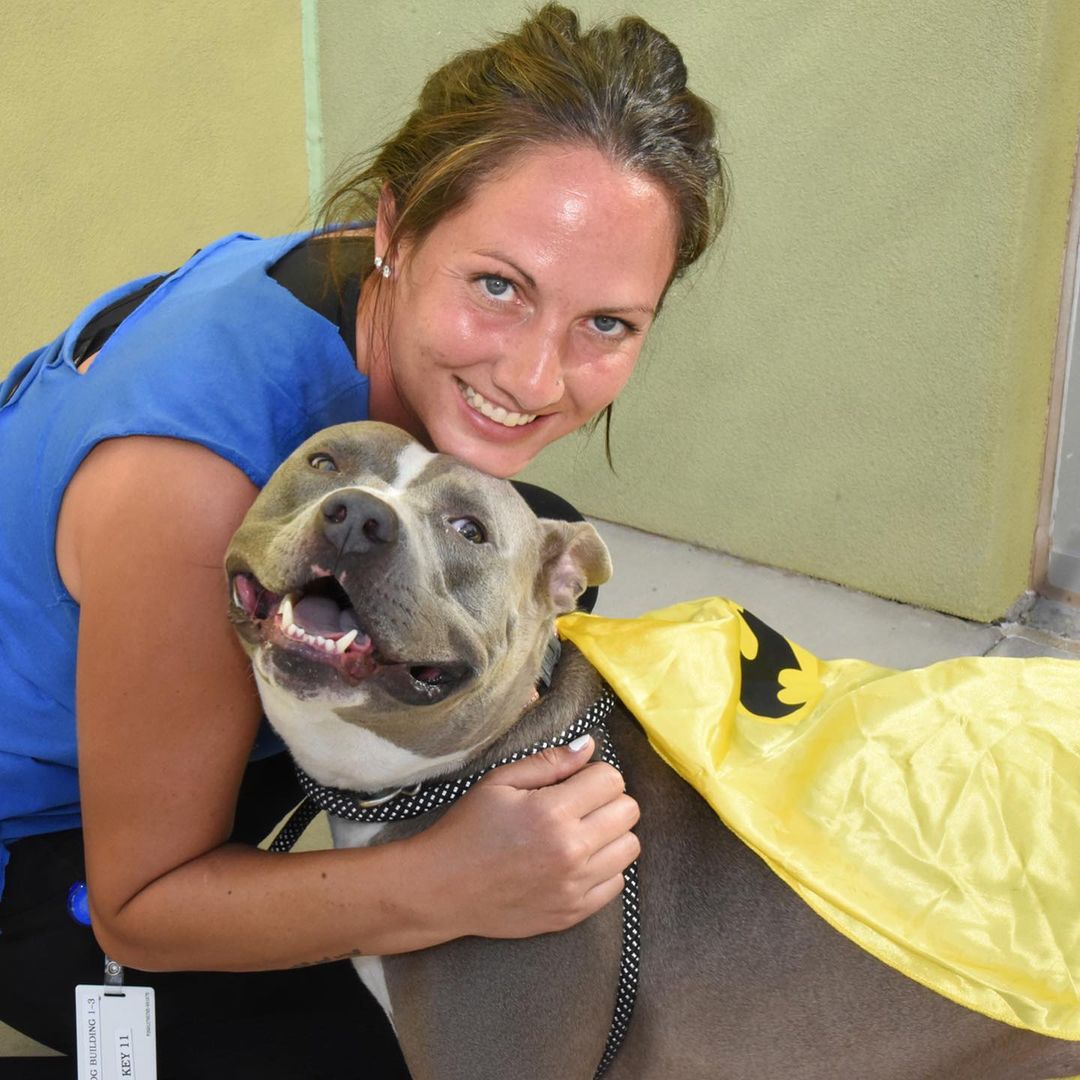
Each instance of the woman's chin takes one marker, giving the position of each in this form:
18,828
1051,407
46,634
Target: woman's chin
496,459
493,447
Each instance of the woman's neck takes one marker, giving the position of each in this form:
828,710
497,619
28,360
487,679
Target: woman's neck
373,314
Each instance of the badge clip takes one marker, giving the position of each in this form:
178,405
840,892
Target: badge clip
114,973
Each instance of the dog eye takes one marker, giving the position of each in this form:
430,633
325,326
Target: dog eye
470,528
323,462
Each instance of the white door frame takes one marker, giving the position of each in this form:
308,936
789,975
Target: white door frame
1056,562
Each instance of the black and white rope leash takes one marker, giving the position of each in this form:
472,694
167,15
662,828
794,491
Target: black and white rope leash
411,802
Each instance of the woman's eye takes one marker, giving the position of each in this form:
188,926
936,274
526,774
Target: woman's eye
323,462
497,288
608,325
469,528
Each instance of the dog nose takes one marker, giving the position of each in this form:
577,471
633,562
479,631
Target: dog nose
357,522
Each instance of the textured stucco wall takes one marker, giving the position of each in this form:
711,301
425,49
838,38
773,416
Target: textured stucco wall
133,134
855,385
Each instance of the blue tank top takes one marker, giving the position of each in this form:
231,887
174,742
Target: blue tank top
220,355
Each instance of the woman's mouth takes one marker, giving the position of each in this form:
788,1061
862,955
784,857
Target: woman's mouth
477,401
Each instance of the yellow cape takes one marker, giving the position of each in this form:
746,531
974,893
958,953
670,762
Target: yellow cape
931,816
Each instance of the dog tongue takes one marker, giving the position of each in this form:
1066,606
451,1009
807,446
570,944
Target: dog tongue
321,615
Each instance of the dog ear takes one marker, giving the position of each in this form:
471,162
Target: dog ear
573,557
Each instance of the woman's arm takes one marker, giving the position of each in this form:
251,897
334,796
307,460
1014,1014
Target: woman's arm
167,713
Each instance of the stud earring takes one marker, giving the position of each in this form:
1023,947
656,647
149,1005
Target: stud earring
382,267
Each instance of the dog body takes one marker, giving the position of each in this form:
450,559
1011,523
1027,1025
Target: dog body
452,587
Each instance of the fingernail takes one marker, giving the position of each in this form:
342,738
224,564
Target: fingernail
579,743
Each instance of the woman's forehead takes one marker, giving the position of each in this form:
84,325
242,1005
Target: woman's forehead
557,205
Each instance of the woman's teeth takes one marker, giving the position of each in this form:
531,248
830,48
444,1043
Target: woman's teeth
494,412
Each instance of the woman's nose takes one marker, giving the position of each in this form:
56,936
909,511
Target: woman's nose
533,374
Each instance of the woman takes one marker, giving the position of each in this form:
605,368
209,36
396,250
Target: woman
528,219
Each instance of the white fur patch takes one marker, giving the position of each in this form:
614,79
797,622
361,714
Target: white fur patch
411,462
409,465
352,834
372,975
339,754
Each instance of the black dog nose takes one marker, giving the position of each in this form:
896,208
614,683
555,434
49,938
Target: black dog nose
357,522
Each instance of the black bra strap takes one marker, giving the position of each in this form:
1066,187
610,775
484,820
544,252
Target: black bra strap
99,329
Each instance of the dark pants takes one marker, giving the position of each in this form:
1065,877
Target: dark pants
313,1022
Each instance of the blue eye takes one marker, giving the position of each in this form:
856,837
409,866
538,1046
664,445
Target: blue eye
496,286
607,324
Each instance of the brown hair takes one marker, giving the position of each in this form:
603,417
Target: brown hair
620,88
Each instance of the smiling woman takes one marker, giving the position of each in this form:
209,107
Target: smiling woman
519,317
530,215
523,228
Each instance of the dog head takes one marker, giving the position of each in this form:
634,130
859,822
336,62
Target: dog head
396,604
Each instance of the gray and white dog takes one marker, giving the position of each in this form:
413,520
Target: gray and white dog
397,605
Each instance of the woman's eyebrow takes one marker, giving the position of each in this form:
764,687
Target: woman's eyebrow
528,278
641,309
628,309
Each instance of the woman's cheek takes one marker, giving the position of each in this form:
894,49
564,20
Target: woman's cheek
473,336
599,383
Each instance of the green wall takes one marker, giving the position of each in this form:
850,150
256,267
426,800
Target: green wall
134,133
855,386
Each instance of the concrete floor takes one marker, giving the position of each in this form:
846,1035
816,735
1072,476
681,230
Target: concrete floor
827,619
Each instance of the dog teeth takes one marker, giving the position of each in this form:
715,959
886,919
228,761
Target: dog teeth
331,646
285,609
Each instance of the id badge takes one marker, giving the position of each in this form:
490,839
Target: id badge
115,1032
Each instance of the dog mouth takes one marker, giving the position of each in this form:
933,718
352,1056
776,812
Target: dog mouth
318,623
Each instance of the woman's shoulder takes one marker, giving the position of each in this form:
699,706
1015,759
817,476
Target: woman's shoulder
131,488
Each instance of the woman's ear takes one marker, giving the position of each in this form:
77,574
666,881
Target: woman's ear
385,219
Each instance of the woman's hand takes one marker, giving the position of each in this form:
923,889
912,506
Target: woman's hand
536,846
